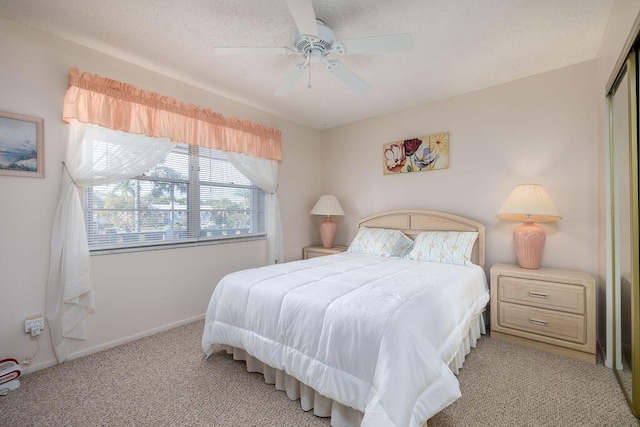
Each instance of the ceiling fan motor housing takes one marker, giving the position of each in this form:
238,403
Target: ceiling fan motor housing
316,48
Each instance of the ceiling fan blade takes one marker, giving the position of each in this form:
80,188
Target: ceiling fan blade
304,16
388,43
349,78
224,50
290,81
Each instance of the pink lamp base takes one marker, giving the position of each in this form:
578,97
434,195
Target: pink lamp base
327,232
529,241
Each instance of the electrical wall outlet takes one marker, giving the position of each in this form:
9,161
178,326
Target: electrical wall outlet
34,324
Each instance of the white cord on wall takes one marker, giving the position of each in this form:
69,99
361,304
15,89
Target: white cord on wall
28,360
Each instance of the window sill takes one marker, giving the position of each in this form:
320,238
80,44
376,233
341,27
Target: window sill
98,252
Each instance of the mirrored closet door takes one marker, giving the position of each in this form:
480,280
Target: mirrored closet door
623,151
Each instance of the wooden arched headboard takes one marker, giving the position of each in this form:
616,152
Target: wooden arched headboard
412,222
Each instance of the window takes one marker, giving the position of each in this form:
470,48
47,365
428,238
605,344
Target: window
193,194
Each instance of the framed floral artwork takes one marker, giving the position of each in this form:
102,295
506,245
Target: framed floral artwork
21,145
416,154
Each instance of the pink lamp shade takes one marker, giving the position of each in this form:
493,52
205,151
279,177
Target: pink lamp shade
529,203
327,205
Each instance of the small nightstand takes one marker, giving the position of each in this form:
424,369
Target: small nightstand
548,309
314,251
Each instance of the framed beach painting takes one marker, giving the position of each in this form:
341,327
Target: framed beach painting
21,145
416,154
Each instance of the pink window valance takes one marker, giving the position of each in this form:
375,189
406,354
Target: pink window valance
122,106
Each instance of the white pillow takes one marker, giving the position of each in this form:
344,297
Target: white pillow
381,242
449,247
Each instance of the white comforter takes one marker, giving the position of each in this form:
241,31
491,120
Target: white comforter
373,333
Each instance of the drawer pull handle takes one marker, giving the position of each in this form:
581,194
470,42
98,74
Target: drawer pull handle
538,294
538,322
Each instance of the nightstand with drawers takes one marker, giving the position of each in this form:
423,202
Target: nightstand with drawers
314,251
549,309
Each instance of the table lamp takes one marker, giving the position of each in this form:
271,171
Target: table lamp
529,203
327,205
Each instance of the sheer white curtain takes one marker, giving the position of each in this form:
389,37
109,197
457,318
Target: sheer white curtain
264,173
95,156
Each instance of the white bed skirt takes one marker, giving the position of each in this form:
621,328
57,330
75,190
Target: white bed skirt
341,416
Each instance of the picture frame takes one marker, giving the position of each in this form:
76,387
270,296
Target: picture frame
425,153
21,145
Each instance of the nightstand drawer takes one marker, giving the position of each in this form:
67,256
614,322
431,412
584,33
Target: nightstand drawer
564,326
313,254
316,251
539,293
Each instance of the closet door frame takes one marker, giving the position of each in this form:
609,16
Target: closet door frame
629,70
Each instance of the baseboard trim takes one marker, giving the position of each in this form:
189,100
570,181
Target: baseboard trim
98,348
39,366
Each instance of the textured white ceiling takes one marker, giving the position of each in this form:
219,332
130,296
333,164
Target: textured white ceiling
459,46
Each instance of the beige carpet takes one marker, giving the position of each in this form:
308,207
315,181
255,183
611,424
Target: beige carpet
164,380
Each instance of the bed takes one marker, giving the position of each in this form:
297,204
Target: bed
365,337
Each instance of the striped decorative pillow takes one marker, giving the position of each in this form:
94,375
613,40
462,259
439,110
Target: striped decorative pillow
449,247
381,242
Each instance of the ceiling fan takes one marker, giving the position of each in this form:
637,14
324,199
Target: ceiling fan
316,42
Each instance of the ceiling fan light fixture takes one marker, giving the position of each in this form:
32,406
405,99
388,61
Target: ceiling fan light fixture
315,55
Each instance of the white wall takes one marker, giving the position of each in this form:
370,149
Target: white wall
540,129
135,292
